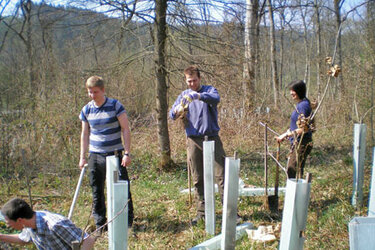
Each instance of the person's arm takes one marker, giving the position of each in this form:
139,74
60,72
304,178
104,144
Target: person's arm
125,130
288,134
211,96
282,137
84,143
12,238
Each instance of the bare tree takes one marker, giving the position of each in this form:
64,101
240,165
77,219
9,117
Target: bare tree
371,41
303,13
318,46
4,5
251,50
161,82
337,7
275,79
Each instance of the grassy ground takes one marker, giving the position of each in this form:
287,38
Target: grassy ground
163,214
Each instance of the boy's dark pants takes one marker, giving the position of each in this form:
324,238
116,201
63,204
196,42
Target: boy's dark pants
97,168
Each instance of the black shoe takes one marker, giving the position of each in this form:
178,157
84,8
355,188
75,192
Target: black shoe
130,222
195,221
238,219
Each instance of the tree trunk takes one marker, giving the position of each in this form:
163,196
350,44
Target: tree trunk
371,42
161,82
26,10
306,44
318,47
251,51
275,80
339,85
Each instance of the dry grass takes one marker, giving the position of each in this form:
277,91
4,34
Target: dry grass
162,214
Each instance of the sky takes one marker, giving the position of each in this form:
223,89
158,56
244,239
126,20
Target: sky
348,4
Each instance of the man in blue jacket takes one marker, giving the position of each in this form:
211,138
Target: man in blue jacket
198,106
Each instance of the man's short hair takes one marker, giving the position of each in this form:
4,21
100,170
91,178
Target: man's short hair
191,70
95,81
17,208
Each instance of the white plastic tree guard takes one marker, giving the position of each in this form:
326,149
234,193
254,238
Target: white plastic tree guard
117,196
248,191
258,191
209,185
228,229
361,233
371,205
120,209
359,148
296,202
112,166
215,242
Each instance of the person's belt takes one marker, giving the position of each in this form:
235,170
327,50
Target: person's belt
109,153
203,137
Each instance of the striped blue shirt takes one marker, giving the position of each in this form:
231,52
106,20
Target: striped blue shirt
105,129
53,231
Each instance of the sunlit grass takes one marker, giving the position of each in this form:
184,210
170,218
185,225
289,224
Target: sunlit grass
163,214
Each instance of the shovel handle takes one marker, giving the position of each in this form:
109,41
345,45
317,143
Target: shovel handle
277,170
77,191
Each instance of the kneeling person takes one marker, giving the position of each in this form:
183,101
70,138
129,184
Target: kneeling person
45,229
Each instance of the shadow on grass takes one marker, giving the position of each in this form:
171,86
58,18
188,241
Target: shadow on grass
321,206
161,224
264,216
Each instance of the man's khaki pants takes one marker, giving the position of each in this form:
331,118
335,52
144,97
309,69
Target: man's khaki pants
195,161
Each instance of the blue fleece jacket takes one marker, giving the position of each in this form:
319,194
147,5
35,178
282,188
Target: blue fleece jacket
202,114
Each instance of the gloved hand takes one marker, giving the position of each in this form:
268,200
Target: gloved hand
191,96
178,110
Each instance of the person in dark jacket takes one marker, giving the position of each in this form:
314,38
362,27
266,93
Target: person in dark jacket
299,133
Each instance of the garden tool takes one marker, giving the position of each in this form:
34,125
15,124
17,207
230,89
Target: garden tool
77,191
273,200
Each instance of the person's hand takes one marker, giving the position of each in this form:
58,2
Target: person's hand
193,95
188,98
178,110
284,136
82,163
279,138
126,160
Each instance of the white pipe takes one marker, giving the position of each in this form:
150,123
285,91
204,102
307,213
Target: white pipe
214,243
